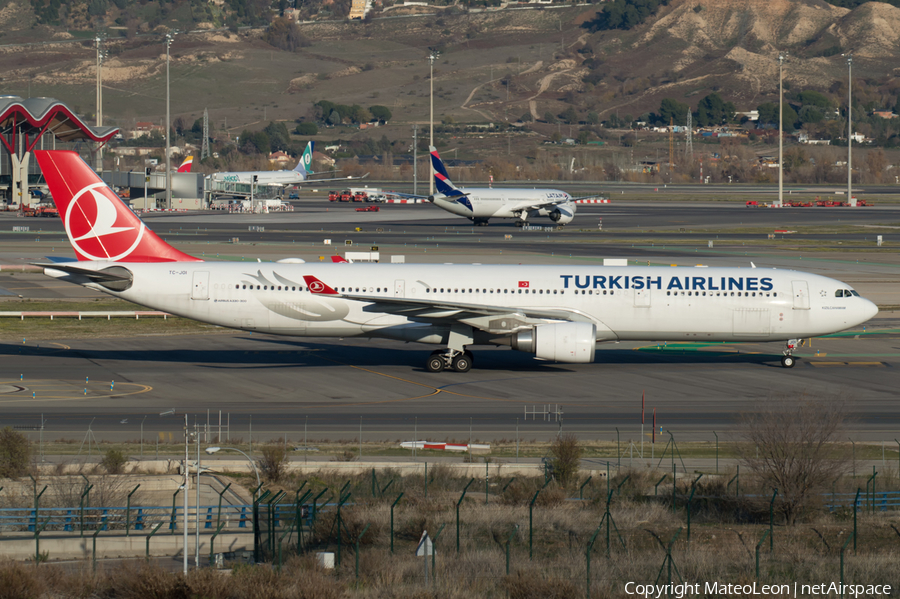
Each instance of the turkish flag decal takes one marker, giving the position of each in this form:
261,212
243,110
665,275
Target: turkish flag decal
524,284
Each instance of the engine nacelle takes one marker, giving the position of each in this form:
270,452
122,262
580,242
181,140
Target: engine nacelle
573,342
563,215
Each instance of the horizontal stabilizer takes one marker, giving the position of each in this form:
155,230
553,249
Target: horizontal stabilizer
97,276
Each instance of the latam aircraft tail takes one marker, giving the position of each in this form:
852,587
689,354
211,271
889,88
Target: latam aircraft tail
442,180
304,167
99,224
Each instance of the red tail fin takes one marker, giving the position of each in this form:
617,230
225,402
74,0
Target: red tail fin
99,225
339,260
186,165
317,287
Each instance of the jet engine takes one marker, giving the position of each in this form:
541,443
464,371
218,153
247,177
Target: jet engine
573,342
563,215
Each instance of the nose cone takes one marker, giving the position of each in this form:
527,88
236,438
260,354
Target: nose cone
867,311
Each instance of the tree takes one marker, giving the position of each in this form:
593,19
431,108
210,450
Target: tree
566,459
569,116
814,98
15,453
114,461
273,463
768,115
796,441
673,111
712,110
526,118
382,113
306,129
279,137
550,118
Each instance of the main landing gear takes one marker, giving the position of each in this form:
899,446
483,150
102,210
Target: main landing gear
460,361
788,360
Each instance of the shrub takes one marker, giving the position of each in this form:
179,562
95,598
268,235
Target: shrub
566,458
15,453
114,461
273,463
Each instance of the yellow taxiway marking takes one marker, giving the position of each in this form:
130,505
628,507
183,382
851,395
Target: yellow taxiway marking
38,386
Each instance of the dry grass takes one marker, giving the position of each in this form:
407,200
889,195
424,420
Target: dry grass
724,532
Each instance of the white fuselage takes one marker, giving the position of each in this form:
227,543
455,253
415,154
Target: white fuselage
484,202
625,303
262,177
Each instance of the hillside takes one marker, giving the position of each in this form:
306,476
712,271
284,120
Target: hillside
494,66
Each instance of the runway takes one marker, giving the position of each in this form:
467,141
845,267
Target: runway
329,387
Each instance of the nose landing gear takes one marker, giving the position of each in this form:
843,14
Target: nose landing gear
788,360
460,361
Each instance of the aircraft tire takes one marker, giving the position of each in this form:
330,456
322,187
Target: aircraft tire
462,363
435,363
788,361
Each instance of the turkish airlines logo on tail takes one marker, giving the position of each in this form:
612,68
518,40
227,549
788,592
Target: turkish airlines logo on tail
524,284
96,228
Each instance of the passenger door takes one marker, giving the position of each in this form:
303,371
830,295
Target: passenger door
801,295
200,288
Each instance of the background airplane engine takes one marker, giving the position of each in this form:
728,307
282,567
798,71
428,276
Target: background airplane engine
563,215
573,342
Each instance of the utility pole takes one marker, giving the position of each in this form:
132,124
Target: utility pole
415,160
431,58
849,128
169,38
781,58
204,149
99,43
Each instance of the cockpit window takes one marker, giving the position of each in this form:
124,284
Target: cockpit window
854,293
844,293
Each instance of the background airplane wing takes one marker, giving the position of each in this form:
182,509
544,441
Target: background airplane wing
594,199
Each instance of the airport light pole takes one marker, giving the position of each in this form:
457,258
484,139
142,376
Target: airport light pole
431,58
100,55
849,128
169,38
781,57
187,482
212,450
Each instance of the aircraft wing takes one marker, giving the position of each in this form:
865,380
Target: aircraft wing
410,196
324,180
493,319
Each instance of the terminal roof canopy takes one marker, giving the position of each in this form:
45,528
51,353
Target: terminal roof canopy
35,116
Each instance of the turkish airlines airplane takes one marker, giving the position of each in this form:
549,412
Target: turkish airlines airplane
554,312
480,204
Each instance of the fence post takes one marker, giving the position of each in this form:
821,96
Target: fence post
508,541
765,534
212,542
842,559
855,510
659,482
433,552
128,512
219,514
94,549
152,532
581,488
587,561
717,452
357,552
81,506
772,522
315,511
340,522
172,520
399,497
461,497
37,541
299,518
531,522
